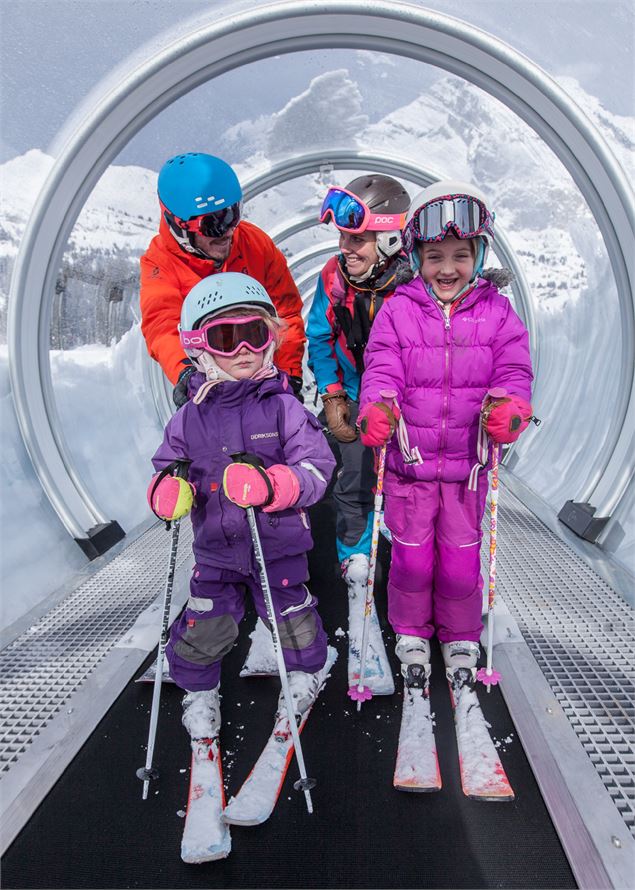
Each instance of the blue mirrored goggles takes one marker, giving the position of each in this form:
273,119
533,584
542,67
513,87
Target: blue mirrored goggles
345,209
465,215
351,214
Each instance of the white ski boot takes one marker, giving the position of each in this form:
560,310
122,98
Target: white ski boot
261,658
304,688
460,657
201,713
414,655
377,674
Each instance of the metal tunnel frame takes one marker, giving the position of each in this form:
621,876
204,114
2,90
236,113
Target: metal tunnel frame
348,159
209,49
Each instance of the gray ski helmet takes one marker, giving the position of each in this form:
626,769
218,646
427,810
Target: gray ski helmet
219,292
382,193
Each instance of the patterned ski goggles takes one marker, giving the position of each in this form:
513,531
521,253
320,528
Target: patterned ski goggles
210,225
465,215
227,336
350,214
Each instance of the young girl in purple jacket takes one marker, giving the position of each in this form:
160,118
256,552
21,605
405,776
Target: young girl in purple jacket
439,356
230,330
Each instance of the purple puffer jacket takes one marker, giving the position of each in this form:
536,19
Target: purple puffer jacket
441,369
259,417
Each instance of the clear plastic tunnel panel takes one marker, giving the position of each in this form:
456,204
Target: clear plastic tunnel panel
380,100
450,127
110,399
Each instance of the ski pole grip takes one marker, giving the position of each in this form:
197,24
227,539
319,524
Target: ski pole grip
243,457
389,396
181,467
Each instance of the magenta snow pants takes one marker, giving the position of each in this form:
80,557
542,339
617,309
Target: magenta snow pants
435,584
208,626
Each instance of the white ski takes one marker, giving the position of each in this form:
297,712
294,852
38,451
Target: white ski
205,836
259,793
482,773
417,767
377,674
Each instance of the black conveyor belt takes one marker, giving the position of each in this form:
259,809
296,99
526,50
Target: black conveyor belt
94,831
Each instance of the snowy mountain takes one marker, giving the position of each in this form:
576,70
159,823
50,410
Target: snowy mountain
453,129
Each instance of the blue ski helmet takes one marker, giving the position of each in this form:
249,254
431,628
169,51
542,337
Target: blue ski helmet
223,291
195,184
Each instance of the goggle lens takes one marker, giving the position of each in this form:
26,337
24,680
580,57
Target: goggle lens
214,225
467,216
346,211
228,335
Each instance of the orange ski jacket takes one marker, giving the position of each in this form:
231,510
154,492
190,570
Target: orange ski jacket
168,274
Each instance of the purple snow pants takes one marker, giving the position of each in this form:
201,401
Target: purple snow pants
435,585
208,626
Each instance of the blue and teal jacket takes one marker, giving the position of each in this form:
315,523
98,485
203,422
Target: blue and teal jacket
340,319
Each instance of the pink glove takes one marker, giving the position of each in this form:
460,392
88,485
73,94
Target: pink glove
286,488
171,498
246,485
505,418
249,486
377,422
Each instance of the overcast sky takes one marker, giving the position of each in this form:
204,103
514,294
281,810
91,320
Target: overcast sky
53,52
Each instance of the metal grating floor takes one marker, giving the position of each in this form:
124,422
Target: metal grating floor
46,664
582,634
578,629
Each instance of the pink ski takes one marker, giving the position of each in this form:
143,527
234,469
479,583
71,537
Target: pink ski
482,774
205,836
417,767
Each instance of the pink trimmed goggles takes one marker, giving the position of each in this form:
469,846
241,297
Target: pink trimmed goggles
350,214
227,336
465,215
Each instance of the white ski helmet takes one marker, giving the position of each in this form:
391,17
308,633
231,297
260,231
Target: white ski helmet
449,205
223,291
218,293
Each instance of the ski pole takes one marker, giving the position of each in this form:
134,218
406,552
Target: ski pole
147,772
361,693
304,783
487,675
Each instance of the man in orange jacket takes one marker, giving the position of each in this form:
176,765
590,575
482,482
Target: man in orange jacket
201,233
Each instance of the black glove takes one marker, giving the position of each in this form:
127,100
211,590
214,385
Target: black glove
179,394
296,386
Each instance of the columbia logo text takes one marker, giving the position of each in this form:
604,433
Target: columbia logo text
474,320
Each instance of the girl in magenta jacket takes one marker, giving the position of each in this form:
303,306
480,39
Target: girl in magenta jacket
440,345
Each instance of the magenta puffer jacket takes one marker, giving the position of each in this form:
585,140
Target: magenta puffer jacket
441,368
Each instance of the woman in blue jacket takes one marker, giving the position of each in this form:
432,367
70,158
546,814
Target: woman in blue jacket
369,213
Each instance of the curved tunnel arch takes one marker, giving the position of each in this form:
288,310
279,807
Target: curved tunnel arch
245,37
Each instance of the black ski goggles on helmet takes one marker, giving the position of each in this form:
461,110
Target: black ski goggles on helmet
465,215
210,225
